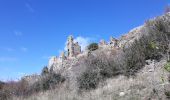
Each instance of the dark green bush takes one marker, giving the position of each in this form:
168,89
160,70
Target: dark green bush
167,93
47,82
93,46
1,84
45,71
5,95
167,66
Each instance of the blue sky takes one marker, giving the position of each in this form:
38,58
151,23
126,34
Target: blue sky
33,30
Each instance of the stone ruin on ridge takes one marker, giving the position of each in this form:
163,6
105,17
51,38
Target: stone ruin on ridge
73,49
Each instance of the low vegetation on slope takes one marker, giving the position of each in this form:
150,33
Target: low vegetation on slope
101,65
22,88
152,45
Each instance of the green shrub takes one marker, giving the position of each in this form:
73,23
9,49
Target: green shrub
47,82
93,46
167,93
5,95
45,71
167,66
1,84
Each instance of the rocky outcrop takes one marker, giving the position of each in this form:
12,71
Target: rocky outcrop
69,63
74,50
149,83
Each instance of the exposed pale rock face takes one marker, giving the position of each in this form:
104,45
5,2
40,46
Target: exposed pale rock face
121,94
53,60
165,18
74,50
56,61
77,49
137,32
131,36
62,56
102,42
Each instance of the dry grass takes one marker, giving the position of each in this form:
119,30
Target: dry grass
145,86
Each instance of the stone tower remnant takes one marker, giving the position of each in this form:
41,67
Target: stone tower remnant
73,49
113,42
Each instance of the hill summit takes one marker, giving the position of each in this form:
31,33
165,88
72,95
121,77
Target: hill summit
135,66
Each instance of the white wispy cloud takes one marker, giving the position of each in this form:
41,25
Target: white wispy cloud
83,42
14,76
23,49
60,51
18,33
46,57
8,59
65,48
20,74
29,7
8,49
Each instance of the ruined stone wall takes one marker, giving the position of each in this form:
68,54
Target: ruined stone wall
70,46
73,49
77,49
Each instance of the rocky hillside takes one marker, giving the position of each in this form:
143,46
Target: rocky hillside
136,67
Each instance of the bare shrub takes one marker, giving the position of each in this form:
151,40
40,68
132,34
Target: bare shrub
98,69
134,59
21,88
5,95
13,88
152,45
